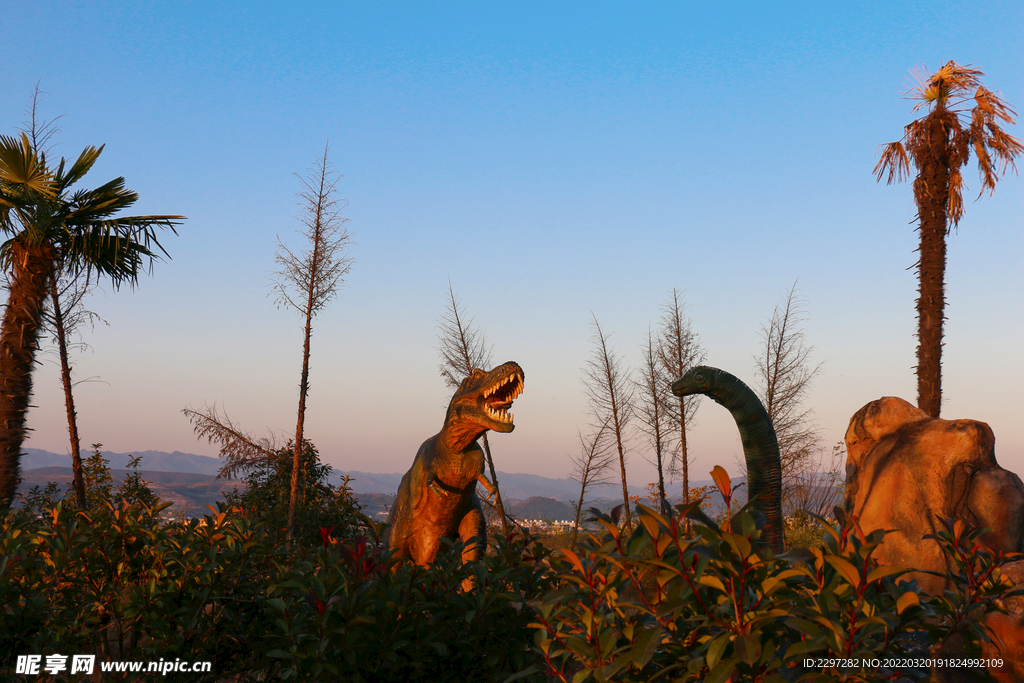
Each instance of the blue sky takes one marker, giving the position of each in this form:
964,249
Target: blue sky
551,161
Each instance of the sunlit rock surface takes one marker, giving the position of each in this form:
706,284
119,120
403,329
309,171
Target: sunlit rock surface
906,472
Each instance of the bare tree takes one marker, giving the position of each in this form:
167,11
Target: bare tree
464,348
819,488
65,316
67,312
611,398
784,374
308,281
678,350
239,449
591,467
653,396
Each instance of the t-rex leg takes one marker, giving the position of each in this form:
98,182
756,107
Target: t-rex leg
423,547
473,526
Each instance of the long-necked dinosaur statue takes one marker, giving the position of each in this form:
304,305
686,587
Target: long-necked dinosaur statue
437,497
760,446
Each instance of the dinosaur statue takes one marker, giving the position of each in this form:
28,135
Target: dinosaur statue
437,497
760,447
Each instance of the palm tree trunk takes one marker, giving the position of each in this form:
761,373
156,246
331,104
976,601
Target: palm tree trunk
19,333
931,190
69,397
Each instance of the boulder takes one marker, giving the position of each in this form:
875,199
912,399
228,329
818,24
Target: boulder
906,472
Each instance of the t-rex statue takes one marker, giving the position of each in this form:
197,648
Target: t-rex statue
437,497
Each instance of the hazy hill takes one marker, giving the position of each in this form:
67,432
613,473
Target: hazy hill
539,507
188,480
158,461
188,492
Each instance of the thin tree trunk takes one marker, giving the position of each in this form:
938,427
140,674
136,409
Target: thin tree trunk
69,398
932,195
622,466
685,457
498,504
19,333
303,390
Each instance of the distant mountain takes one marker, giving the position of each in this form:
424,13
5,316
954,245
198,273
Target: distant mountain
161,468
189,492
514,486
159,461
548,509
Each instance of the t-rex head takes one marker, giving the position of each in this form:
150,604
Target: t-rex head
483,400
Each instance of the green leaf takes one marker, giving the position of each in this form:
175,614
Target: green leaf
713,581
281,654
802,647
645,644
882,572
845,567
716,649
535,668
748,648
721,673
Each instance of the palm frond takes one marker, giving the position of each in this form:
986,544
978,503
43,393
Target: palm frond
950,81
955,200
894,160
22,169
78,169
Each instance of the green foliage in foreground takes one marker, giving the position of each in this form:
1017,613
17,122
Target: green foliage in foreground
648,605
120,583
653,605
268,491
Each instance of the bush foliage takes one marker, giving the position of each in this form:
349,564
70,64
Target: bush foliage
120,582
654,605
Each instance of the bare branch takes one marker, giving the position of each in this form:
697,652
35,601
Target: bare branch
654,418
239,449
679,350
307,281
592,466
463,347
785,373
610,391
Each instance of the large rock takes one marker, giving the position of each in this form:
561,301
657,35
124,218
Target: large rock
906,472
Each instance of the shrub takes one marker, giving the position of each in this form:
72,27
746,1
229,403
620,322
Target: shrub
655,605
123,584
268,491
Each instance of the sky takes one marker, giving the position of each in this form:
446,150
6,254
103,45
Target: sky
555,163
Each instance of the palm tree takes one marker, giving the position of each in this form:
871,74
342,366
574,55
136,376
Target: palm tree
939,144
52,229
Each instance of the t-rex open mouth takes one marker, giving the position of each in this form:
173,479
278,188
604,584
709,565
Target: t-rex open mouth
497,399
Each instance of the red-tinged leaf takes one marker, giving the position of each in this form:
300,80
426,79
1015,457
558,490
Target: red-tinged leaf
574,559
906,600
722,480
